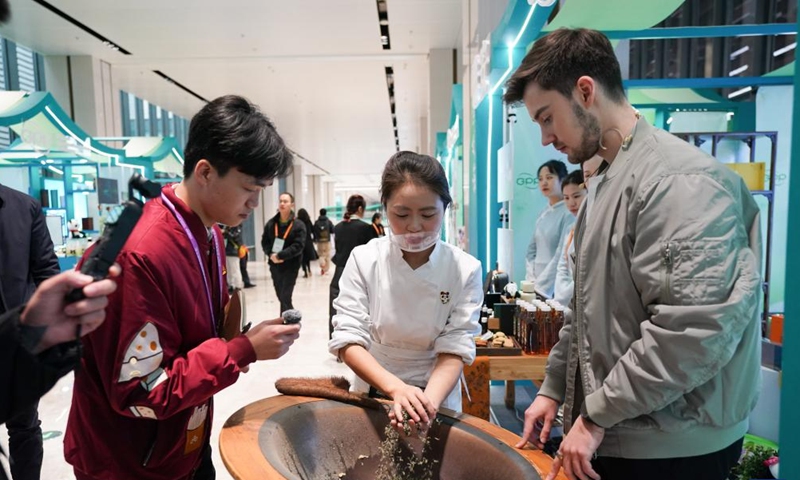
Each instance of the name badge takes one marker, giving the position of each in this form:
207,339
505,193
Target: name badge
277,245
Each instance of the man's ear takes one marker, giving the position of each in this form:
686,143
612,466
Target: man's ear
203,171
586,91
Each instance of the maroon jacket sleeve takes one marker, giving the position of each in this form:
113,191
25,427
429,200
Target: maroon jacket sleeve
140,352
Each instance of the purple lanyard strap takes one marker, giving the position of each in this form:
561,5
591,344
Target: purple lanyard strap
199,257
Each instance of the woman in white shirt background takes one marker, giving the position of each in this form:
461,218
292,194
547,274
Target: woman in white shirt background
574,188
409,303
552,227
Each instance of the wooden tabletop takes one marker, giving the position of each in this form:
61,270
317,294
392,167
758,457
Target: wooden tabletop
242,456
517,367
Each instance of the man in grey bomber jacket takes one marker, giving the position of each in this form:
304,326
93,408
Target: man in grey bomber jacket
659,366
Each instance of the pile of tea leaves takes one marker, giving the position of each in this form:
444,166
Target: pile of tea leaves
400,462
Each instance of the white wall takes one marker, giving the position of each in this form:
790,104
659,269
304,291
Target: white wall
440,88
57,80
16,179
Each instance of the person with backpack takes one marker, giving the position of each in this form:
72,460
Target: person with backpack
323,228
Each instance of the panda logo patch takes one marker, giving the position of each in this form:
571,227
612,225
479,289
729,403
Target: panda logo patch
444,297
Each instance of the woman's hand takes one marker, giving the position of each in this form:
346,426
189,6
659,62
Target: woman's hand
419,408
275,259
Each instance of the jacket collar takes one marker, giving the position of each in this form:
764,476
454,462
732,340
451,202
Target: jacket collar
192,219
558,205
277,217
643,131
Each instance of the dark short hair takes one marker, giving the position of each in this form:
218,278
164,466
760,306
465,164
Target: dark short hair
230,132
353,204
574,177
554,166
323,212
413,167
557,60
376,216
287,193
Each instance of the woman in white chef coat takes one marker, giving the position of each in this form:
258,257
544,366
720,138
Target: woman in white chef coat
408,306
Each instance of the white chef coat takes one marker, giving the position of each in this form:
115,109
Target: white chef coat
405,318
552,229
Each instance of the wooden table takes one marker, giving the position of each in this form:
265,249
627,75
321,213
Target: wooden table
517,367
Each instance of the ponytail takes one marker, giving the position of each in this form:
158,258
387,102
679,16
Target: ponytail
353,204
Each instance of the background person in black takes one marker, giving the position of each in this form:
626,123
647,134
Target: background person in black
309,253
233,255
27,259
233,237
283,242
323,229
377,224
347,235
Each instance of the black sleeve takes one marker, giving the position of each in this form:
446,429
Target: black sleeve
25,377
266,241
43,260
294,248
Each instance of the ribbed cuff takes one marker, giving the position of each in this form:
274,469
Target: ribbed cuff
241,351
601,411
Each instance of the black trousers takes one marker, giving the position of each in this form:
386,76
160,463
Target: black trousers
284,279
206,470
713,466
25,444
334,292
243,268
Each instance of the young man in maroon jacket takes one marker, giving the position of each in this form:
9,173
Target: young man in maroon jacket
142,404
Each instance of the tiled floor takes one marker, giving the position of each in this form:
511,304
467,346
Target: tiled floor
308,357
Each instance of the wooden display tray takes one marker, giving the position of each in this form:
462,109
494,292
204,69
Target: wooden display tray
501,351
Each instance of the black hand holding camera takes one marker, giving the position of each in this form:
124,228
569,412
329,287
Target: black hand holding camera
115,234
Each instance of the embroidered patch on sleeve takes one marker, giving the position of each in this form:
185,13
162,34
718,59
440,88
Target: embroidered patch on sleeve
143,356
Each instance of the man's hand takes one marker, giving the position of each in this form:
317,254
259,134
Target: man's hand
275,259
539,415
48,307
271,339
577,450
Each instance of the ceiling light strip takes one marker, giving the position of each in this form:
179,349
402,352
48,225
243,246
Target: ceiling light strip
180,85
112,45
389,71
383,24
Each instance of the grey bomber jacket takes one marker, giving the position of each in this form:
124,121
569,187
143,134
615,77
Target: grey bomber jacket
665,324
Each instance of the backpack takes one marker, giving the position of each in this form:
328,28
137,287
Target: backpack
321,231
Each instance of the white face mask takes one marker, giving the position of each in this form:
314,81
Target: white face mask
414,242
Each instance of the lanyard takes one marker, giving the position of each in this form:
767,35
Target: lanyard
375,227
199,257
286,233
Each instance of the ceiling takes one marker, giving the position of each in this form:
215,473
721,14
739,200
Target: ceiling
316,67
